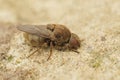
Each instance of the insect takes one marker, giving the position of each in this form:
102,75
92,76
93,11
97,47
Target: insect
53,35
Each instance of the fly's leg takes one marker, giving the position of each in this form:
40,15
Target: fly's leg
33,52
51,47
75,51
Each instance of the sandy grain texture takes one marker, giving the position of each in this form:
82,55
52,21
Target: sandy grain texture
97,22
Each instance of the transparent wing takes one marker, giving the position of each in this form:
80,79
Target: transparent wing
39,30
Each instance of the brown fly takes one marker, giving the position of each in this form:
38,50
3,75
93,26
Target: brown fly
53,35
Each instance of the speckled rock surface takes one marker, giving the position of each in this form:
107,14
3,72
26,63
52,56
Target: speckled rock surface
97,22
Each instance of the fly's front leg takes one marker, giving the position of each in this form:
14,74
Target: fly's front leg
62,48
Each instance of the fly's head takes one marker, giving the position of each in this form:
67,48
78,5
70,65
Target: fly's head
74,42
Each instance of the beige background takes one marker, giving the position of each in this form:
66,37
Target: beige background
97,22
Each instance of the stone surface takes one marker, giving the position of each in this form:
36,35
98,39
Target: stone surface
97,22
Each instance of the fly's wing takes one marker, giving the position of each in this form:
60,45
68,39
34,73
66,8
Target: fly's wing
39,30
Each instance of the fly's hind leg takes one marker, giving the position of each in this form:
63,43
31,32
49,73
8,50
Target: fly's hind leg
33,52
